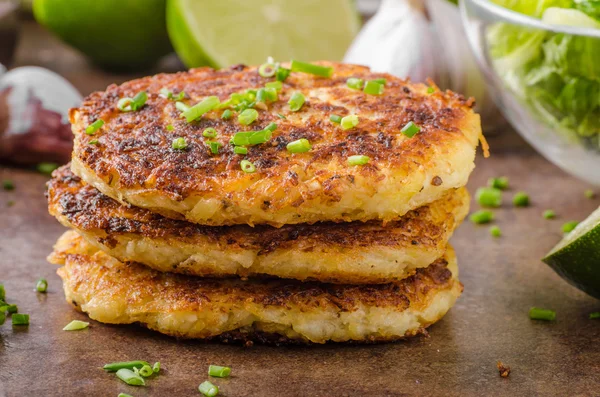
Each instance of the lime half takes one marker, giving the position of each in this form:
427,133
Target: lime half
226,32
569,17
577,257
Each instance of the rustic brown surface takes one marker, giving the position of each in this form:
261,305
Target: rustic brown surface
503,278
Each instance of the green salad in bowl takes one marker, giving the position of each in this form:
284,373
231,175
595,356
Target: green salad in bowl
541,59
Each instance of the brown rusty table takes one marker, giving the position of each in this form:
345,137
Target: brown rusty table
503,278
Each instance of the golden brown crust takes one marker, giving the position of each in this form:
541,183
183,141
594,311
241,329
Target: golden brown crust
134,157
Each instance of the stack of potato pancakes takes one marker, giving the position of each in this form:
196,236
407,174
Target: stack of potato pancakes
293,202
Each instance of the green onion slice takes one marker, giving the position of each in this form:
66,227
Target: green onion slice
381,81
373,88
93,142
41,285
76,325
2,292
334,118
282,73
208,389
112,367
124,395
139,100
166,93
247,166
170,127
299,146
355,83
95,126
209,132
240,150
156,367
277,85
317,70
358,160
130,377
182,107
20,319
349,122
214,147
430,90
218,371
248,116
536,313
179,144
296,101
199,109
146,371
410,129
227,114
267,69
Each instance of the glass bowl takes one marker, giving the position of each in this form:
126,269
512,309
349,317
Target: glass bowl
545,79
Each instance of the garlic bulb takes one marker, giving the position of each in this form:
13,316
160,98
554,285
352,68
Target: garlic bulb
421,39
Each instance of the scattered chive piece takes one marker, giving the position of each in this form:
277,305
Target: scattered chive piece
299,146
46,168
282,73
542,314
214,147
20,319
12,309
156,367
2,317
2,292
489,197
42,285
358,160
521,199
381,81
165,92
93,142
112,367
281,116
124,104
594,315
170,127
373,88
296,101
124,395
179,144
201,108
349,122
226,114
317,70
261,95
410,129
498,183
355,83
481,217
549,214
139,100
208,389
495,231
589,194
248,116
95,126
267,69
240,150
569,226
430,90
76,325
209,133
7,184
277,85
130,377
182,107
146,371
247,166
218,371
334,118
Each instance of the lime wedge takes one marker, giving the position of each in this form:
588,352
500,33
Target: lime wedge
226,32
569,17
577,257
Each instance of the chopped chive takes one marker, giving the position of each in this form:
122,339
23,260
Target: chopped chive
498,183
76,325
218,371
124,104
569,226
549,214
281,116
349,122
542,314
430,90
248,116
182,107
46,168
227,114
214,147
282,73
146,371
495,231
358,160
42,285
355,83
208,389
410,129
381,81
95,126
124,395
20,319
481,217
299,146
156,367
521,199
589,194
240,150
373,88
112,367
209,132
247,166
2,317
276,85
271,127
296,101
489,197
170,127
258,137
261,96
267,70
179,144
130,377
334,118
93,142
2,292
12,309
7,184
317,70
594,315
271,94
199,109
139,100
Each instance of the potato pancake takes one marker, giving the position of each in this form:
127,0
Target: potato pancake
112,292
155,159
355,252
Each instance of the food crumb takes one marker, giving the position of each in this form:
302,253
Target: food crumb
503,370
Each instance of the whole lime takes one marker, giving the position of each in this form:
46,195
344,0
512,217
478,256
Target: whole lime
115,34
